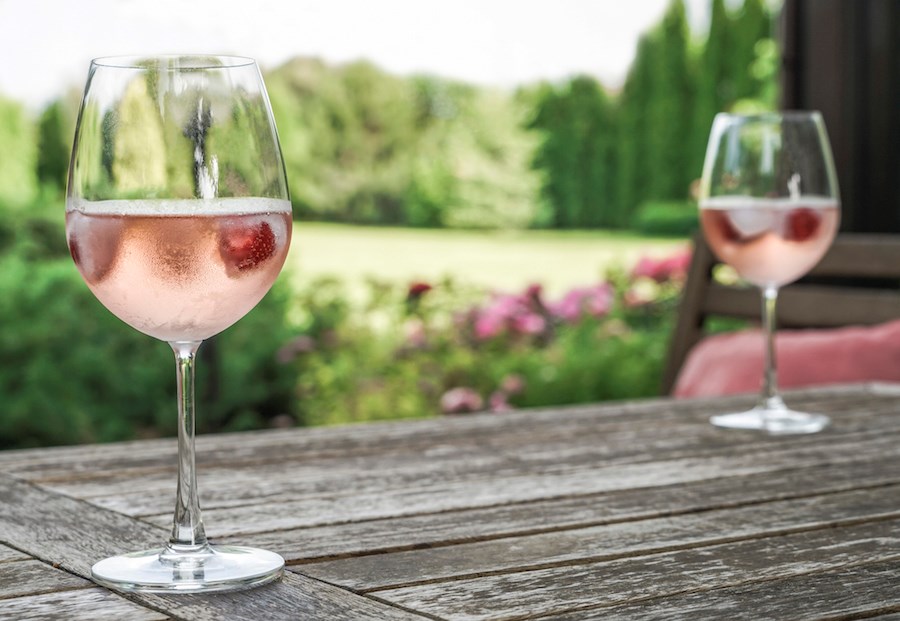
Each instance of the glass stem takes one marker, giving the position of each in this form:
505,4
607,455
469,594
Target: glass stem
769,399
188,536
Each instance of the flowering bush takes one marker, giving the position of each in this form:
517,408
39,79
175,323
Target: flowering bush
441,348
667,269
528,315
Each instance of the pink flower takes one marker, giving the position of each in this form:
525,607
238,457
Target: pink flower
512,384
488,324
600,300
461,400
523,314
569,308
498,317
509,305
498,402
595,301
673,267
529,323
646,267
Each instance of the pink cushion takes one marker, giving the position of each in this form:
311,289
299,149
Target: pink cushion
732,363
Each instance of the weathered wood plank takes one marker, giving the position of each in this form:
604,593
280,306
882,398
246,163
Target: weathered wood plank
240,483
310,443
81,605
566,512
856,592
8,554
473,454
606,541
32,577
75,534
446,434
294,597
237,484
67,532
519,519
661,579
396,499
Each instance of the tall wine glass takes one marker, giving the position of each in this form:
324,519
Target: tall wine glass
179,220
769,208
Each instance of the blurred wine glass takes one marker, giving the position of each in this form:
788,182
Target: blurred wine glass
769,208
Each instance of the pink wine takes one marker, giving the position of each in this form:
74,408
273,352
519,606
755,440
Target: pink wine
179,270
770,242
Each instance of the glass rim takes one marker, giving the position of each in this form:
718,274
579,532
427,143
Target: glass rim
774,115
194,61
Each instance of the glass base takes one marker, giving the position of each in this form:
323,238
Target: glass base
775,420
214,568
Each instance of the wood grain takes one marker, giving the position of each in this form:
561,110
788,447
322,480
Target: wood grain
69,533
237,483
448,435
697,573
81,605
394,499
608,541
528,518
74,535
31,577
624,510
294,597
9,554
857,592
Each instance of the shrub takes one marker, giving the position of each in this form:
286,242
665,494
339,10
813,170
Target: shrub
18,162
666,219
431,348
73,373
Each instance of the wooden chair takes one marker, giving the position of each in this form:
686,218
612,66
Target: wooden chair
856,283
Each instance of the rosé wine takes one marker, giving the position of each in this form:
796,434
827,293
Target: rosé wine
179,270
770,242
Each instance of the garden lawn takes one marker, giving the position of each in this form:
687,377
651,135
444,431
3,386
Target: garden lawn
494,260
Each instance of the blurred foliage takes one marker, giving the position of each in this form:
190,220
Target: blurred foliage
363,146
666,219
442,348
577,154
18,157
56,129
72,373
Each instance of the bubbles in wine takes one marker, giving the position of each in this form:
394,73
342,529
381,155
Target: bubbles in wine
180,270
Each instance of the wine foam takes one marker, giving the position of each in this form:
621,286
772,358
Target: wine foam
180,207
811,201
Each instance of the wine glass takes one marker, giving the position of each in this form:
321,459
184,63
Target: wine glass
178,219
769,208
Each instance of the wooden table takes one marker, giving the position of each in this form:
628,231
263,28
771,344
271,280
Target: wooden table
616,511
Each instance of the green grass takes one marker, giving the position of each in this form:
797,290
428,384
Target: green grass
494,260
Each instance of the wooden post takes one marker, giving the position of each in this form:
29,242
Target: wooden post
842,57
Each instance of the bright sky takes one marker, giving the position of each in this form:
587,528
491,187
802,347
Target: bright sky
47,44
